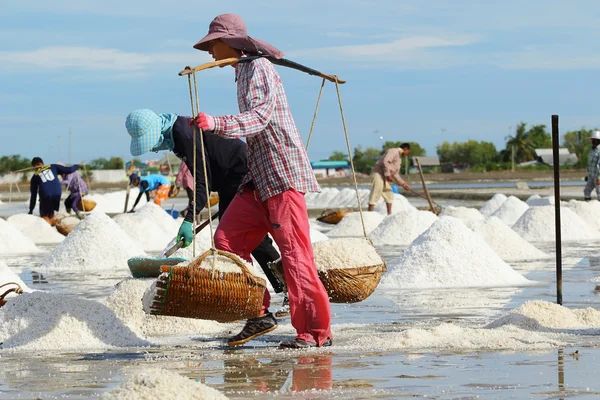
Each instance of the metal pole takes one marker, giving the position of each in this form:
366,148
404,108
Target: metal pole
555,139
513,157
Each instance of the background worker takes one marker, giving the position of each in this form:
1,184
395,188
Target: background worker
385,171
185,179
77,189
149,183
593,168
45,180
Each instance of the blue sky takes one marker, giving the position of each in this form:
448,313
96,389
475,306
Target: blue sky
417,70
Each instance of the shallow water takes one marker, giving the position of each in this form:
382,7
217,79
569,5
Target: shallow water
344,371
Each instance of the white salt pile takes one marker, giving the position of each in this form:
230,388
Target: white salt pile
537,201
160,384
335,198
143,230
160,217
7,275
13,241
402,228
399,204
44,321
126,302
449,254
36,229
589,211
96,243
505,242
537,225
511,210
493,204
345,253
114,202
351,226
317,236
462,213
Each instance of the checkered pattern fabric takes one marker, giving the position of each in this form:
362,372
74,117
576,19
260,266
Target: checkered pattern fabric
276,157
593,169
144,127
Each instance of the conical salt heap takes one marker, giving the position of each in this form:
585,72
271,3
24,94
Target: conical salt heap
13,241
36,229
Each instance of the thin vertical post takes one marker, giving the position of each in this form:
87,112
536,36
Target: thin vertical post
557,209
512,149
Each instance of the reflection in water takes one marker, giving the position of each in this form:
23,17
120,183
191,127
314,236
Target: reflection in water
561,371
313,373
37,277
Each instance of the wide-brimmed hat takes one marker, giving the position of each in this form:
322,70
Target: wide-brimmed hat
231,29
595,135
144,127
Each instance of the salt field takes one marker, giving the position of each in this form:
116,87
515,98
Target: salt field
465,310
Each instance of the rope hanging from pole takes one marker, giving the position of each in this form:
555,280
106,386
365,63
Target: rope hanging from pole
194,171
312,125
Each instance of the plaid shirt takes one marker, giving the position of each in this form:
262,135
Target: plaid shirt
276,157
593,169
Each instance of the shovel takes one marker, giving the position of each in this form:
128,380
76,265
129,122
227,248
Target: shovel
141,267
436,209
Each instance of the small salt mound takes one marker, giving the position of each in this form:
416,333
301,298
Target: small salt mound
159,384
345,253
505,242
160,217
545,316
351,226
399,204
402,228
589,211
537,225
449,254
13,241
6,276
493,204
537,201
463,213
36,229
511,210
114,202
143,230
44,321
96,243
126,302
317,236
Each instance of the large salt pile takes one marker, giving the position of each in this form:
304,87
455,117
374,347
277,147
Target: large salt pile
13,241
449,254
537,225
44,321
6,276
351,226
345,253
36,229
399,204
159,216
589,211
537,201
96,243
126,302
493,204
143,230
335,198
402,228
511,210
114,202
463,213
159,384
505,242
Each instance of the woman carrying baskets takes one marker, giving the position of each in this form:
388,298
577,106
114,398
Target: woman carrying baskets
271,196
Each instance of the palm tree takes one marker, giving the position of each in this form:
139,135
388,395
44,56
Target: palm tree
523,145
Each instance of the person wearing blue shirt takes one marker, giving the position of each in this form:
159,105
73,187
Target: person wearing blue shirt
45,180
149,183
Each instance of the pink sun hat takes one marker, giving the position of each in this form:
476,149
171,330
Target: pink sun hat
231,29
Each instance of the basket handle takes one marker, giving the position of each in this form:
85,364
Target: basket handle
16,289
232,257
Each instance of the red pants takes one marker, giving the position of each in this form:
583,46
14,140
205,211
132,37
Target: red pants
245,224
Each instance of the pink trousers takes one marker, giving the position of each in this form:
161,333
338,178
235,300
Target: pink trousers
245,224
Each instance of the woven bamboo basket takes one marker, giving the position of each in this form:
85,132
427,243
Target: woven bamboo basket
345,285
173,191
333,216
194,292
85,204
212,200
66,225
6,289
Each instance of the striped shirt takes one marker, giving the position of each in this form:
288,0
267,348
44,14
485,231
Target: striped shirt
277,160
593,169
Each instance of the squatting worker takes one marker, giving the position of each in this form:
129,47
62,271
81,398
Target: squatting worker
226,162
147,184
593,168
271,197
386,170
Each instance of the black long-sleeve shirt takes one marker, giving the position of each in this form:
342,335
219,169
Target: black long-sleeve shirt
227,161
46,180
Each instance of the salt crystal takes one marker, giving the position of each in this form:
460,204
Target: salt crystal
537,225
511,210
589,211
345,253
13,241
505,242
44,321
402,228
159,384
351,226
36,229
493,204
96,243
463,213
449,254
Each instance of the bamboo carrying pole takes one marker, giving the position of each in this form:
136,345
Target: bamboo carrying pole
555,139
424,185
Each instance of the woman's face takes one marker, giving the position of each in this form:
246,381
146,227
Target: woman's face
219,50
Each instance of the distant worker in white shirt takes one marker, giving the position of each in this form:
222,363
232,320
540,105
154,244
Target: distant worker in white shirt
386,170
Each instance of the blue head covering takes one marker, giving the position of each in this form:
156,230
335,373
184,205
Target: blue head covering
150,131
133,177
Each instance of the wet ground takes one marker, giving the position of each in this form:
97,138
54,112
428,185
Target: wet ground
343,371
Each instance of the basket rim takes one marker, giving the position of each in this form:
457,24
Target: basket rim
358,269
